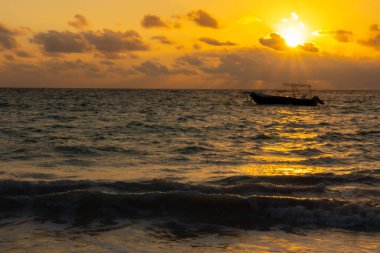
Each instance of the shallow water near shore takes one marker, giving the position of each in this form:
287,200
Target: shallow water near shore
187,170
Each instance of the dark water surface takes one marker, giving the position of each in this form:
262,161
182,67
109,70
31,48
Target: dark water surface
196,171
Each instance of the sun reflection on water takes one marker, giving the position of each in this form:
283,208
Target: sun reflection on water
278,169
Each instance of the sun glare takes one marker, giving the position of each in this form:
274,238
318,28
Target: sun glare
292,30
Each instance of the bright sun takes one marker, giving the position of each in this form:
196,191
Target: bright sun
292,30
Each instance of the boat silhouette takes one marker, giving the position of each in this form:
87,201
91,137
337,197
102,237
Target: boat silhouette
299,96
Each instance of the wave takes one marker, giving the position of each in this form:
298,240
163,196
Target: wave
75,150
84,150
192,150
29,188
307,179
84,202
4,104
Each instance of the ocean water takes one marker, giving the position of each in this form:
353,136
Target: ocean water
187,171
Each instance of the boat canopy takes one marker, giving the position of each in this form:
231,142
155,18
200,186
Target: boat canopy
300,90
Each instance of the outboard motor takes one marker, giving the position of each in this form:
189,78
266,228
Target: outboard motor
316,98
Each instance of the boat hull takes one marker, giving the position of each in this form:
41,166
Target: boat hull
263,99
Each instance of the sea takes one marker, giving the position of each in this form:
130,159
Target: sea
118,170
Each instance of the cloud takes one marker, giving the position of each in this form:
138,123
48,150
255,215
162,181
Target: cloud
192,60
153,21
7,38
310,47
373,39
108,41
77,66
23,54
275,41
79,22
52,73
60,42
374,28
244,68
204,19
197,46
215,42
163,40
235,68
343,36
339,35
106,62
151,68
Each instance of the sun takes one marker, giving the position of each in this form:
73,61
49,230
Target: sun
292,30
292,37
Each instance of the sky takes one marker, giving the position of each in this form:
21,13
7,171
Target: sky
176,44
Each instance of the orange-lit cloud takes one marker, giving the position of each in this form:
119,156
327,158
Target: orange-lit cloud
202,18
214,42
275,41
373,40
152,68
310,47
60,42
7,38
114,42
153,21
339,35
23,54
80,22
163,40
192,60
215,47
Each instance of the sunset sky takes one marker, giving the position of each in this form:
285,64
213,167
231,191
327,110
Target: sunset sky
246,44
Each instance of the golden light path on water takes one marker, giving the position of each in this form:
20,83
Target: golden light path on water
279,157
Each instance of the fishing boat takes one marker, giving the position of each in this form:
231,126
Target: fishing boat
301,95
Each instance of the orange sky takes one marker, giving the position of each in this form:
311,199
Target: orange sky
189,44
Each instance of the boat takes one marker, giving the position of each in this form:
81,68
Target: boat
301,95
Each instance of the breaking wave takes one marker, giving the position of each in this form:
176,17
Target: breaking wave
247,205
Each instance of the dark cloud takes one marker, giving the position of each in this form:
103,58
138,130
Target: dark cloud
240,68
79,22
339,35
343,36
163,40
7,37
73,67
373,39
202,18
60,42
246,68
52,73
180,47
182,71
197,46
177,25
23,54
374,28
152,68
189,60
108,41
310,47
275,41
153,21
215,42
108,63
